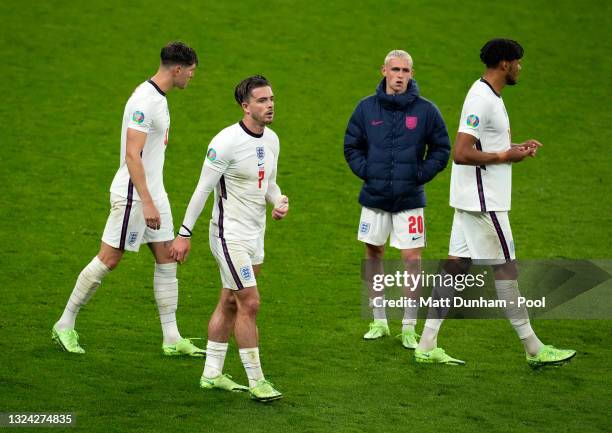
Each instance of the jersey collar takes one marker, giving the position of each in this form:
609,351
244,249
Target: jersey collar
152,83
482,80
248,131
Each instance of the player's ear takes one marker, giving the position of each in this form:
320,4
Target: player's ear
245,106
382,70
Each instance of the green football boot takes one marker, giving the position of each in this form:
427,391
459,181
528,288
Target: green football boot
183,347
67,339
378,329
264,391
409,339
436,356
549,355
223,381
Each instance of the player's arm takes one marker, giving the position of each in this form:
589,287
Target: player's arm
209,178
355,144
275,197
466,153
135,142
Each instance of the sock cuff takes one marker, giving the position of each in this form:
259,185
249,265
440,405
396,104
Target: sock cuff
506,284
165,273
99,266
166,267
214,345
248,350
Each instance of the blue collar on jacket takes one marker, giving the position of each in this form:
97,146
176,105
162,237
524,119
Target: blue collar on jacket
399,102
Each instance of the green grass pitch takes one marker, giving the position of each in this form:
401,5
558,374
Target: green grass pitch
67,70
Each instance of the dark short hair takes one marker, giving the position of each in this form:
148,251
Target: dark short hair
243,90
497,50
177,53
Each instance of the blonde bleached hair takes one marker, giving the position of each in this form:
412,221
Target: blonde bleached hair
401,54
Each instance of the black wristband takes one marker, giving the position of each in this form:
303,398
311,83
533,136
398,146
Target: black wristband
188,231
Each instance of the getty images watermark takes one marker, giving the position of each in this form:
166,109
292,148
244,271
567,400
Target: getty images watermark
559,289
458,283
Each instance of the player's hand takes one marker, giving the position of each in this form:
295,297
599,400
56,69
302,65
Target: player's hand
532,146
180,249
515,154
151,215
281,207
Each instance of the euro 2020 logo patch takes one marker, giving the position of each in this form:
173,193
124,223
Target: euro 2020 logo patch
473,121
138,117
245,271
211,154
364,228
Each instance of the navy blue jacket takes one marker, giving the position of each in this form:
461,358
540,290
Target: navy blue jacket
396,144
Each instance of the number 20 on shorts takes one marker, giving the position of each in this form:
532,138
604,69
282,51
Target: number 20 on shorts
415,224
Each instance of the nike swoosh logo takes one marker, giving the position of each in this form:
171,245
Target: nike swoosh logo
259,164
377,122
414,238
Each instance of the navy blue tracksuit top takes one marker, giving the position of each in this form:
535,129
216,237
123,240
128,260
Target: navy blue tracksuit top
396,144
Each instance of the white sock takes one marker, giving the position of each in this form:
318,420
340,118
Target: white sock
88,281
435,316
165,287
378,312
507,290
215,358
408,324
429,336
252,366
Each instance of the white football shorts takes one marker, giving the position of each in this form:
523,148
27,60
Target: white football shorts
236,259
407,228
126,228
482,236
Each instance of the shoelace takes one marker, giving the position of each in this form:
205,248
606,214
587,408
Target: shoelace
73,337
413,333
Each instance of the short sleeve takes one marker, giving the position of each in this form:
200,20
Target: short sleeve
141,114
473,116
219,153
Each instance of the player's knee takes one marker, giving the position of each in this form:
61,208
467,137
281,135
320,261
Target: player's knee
249,306
411,255
110,261
507,271
228,303
376,252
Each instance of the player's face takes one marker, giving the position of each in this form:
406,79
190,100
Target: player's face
261,105
514,69
182,75
398,73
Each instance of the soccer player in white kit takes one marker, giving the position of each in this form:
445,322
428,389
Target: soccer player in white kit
481,182
140,211
240,167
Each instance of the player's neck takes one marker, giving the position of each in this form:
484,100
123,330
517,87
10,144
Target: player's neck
252,125
495,80
163,80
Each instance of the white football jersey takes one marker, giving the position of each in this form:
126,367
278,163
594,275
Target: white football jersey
247,161
483,188
145,111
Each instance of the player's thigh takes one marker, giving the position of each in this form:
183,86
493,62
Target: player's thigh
408,230
458,246
234,261
125,226
374,226
166,229
489,237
